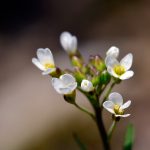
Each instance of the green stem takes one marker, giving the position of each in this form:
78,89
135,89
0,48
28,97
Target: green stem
107,93
101,128
111,129
84,110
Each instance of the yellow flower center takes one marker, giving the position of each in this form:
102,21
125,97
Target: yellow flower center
117,110
119,70
48,65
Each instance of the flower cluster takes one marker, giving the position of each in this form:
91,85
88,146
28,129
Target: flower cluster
91,78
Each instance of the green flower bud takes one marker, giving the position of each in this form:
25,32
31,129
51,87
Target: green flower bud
79,75
76,61
105,77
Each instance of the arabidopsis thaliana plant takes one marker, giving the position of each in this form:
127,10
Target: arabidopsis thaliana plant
87,85
115,105
120,69
65,84
44,61
68,42
113,52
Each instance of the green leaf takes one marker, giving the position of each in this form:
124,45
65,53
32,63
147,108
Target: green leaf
129,138
79,143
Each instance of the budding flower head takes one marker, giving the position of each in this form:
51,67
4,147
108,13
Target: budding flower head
113,52
65,84
68,42
120,69
87,86
44,61
115,105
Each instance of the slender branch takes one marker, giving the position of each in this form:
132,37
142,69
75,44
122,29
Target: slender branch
101,128
84,110
108,92
111,129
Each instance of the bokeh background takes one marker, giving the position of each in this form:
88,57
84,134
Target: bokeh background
32,115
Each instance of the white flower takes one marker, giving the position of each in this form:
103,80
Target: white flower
68,42
44,61
87,85
115,105
65,84
113,52
120,69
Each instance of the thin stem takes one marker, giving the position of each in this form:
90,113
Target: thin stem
84,110
108,92
101,128
111,129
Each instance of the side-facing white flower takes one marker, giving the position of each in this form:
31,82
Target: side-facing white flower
87,85
44,61
120,69
65,84
115,105
113,52
68,42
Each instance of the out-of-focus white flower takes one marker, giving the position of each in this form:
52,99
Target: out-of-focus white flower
44,61
113,52
115,105
65,84
68,42
87,85
120,69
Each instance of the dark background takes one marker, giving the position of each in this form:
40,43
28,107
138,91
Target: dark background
32,115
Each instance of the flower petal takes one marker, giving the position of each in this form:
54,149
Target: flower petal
87,85
36,62
108,105
127,75
48,71
116,98
45,55
113,51
126,105
111,61
57,84
67,79
125,115
127,61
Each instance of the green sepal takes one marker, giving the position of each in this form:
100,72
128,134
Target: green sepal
105,77
70,98
129,138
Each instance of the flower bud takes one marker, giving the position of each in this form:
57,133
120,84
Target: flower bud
70,98
105,77
87,85
79,75
76,61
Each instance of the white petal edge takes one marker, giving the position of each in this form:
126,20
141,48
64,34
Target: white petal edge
108,105
113,51
45,55
67,79
124,116
127,75
48,71
111,61
37,63
126,105
116,98
127,61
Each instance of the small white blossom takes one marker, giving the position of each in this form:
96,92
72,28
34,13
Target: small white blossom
115,105
44,61
87,85
120,69
65,84
113,52
68,42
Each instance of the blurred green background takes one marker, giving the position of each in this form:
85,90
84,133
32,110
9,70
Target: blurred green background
32,115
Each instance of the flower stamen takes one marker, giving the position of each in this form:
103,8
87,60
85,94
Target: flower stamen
117,110
48,66
119,70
